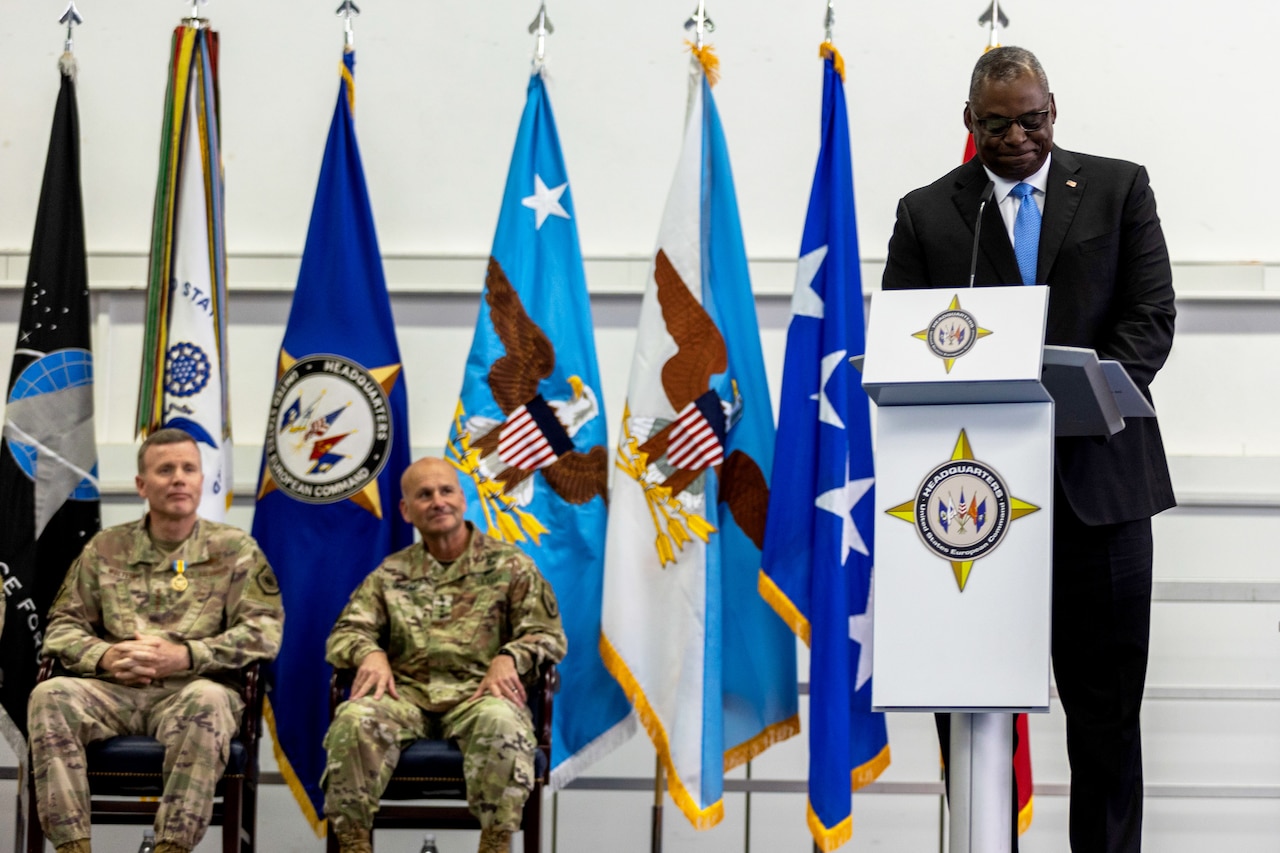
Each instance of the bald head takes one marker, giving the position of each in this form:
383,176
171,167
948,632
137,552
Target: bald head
432,501
425,465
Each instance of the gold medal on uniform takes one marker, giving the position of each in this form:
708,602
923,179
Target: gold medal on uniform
179,581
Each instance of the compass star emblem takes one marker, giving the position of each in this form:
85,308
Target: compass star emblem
952,333
962,510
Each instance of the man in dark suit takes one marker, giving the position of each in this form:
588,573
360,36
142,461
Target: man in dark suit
1101,251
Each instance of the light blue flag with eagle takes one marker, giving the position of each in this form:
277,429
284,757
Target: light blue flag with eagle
529,433
709,666
337,441
818,548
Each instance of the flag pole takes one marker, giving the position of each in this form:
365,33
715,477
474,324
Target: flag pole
655,827
540,28
347,11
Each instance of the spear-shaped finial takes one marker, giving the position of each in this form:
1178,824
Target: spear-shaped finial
700,24
70,18
541,27
347,11
994,19
830,20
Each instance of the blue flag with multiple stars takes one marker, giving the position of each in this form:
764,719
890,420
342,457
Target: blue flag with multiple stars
817,563
528,437
337,441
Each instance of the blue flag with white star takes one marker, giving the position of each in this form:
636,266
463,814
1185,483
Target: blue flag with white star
818,546
337,441
529,432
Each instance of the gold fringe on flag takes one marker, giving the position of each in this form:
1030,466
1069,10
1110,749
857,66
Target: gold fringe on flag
864,774
827,50
781,604
828,838
318,823
749,749
700,818
708,60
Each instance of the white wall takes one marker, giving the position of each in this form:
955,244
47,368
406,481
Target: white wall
440,85
439,89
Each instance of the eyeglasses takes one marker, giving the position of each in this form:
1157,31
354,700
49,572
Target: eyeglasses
999,125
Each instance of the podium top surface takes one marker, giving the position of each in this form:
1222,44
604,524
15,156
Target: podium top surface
962,345
956,336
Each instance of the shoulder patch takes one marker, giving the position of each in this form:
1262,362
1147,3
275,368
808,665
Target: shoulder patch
549,600
64,593
267,582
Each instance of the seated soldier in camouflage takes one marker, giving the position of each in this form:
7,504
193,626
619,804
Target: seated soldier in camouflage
153,622
465,618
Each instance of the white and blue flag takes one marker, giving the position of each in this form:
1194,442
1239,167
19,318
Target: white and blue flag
710,668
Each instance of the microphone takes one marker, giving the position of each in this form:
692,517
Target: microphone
987,193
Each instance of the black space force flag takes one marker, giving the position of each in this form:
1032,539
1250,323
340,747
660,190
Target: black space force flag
48,461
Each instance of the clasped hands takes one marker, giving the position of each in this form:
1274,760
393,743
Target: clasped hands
144,659
374,675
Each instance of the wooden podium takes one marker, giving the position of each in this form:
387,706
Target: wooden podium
968,402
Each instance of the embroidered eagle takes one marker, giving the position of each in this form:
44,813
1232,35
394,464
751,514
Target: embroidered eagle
537,434
695,439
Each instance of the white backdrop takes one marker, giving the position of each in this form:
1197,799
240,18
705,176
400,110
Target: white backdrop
1178,86
440,86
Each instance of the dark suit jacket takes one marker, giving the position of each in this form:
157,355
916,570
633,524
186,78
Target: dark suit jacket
1103,255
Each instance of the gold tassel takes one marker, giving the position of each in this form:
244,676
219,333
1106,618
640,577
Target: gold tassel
827,50
708,60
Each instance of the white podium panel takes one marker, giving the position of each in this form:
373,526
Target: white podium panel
963,581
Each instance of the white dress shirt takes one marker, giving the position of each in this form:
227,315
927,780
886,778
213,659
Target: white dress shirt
1009,204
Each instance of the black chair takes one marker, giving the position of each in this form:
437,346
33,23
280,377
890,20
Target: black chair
432,770
131,766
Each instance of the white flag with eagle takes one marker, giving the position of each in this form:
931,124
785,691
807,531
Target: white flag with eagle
708,665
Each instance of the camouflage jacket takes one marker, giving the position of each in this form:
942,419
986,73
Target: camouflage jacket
442,626
229,615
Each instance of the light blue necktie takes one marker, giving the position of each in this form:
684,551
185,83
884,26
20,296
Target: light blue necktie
1026,232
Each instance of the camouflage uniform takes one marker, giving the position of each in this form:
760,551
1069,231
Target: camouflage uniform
228,616
443,625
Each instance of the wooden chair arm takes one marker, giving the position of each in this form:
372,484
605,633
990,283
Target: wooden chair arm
542,702
339,688
252,695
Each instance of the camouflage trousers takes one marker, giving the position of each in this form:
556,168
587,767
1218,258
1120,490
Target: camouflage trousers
194,718
366,736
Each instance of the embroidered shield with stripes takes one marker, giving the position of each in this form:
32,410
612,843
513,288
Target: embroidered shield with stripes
533,437
697,439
